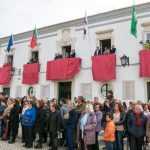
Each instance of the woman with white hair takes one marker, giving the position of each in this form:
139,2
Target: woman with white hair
136,125
86,128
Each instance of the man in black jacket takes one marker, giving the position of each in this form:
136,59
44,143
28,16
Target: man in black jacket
14,121
97,51
54,125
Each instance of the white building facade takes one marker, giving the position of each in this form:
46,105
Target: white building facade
112,28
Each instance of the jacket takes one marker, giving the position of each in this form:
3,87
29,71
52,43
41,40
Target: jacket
14,115
109,133
79,109
99,119
63,110
55,121
29,117
40,120
132,127
148,131
122,119
72,120
89,130
2,108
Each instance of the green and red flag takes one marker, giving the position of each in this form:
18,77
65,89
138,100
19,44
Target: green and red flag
33,42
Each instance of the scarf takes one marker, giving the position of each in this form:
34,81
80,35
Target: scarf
138,119
83,122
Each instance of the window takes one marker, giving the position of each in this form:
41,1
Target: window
148,36
18,91
6,91
66,51
10,59
128,90
86,90
105,43
35,55
104,89
45,91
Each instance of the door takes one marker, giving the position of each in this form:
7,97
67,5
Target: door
148,91
6,91
105,43
64,90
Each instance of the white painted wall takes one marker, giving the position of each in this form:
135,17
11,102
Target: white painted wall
124,42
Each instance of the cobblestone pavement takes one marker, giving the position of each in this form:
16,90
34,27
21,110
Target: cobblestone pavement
18,145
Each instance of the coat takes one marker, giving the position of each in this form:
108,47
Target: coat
40,120
99,119
14,115
72,120
132,127
89,130
148,131
55,121
29,117
109,133
79,109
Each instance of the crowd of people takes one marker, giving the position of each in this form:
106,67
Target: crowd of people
75,124
68,54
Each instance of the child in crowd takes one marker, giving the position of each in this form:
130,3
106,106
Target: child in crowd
109,133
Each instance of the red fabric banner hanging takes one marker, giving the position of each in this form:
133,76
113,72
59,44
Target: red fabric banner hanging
5,75
30,73
61,69
104,67
144,63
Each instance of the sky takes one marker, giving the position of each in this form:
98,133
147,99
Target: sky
17,16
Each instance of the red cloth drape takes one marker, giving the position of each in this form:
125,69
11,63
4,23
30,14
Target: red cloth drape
5,75
61,69
144,63
104,67
30,73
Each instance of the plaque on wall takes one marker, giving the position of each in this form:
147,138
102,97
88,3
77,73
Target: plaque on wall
31,91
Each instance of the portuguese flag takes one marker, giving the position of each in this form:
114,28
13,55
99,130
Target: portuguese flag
33,42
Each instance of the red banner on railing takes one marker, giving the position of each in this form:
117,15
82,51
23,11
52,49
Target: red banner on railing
104,67
5,75
144,63
30,73
61,69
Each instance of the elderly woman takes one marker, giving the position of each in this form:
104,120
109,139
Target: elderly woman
86,128
136,125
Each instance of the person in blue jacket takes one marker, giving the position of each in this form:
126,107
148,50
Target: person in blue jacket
70,120
28,120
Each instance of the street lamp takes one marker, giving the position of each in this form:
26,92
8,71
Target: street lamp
124,60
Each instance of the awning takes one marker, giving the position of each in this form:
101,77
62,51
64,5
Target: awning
5,75
30,73
61,69
144,63
104,67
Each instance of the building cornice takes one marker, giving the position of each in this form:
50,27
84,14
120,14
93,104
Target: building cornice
101,17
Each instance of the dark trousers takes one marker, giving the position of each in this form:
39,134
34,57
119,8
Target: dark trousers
40,137
109,146
14,130
136,143
96,145
81,141
90,147
28,136
70,138
23,133
118,144
45,135
54,140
